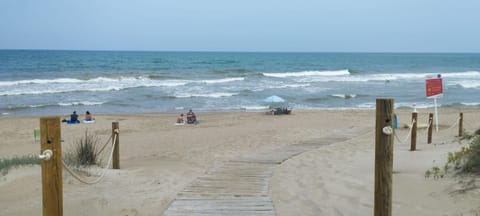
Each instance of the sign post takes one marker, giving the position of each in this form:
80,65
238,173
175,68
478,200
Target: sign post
434,89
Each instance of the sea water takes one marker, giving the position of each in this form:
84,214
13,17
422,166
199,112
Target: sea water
40,82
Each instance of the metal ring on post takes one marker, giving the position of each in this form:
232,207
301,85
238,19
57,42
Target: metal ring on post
46,155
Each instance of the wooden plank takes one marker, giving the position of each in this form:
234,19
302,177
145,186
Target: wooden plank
239,186
237,206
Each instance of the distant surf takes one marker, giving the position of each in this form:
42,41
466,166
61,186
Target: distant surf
146,82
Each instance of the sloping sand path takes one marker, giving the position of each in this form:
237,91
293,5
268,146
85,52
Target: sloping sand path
241,186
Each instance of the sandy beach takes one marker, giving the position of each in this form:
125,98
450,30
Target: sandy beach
158,159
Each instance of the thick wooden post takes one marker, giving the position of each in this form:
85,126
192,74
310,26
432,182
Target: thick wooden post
413,143
430,128
460,125
383,157
116,150
52,187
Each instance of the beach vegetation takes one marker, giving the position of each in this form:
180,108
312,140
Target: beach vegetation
85,151
467,136
464,161
428,173
7,163
467,159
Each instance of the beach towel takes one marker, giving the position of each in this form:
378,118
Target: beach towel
89,121
73,122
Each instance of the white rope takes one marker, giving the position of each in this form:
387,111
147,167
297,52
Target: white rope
455,124
408,135
430,123
103,147
79,178
423,118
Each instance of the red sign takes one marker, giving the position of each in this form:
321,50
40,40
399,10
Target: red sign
434,87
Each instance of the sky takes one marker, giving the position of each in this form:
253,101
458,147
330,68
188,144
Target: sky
243,25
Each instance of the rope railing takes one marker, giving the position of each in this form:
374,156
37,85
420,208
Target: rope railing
408,135
423,118
104,171
453,126
430,123
106,143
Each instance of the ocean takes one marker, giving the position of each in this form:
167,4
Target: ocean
42,82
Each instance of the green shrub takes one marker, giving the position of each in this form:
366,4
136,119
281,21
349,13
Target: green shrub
464,161
471,163
16,161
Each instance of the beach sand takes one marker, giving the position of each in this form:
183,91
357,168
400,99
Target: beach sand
158,159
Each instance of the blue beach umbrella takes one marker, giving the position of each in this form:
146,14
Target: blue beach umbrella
274,99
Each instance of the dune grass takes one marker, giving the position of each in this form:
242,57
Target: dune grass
85,152
7,163
464,161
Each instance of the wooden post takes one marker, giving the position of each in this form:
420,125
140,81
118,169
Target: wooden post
116,150
383,157
52,188
413,143
430,128
460,125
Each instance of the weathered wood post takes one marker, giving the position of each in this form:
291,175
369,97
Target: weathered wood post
460,125
413,143
51,155
383,157
430,129
116,150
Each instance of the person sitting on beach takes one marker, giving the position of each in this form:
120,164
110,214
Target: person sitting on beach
88,116
191,118
180,119
74,117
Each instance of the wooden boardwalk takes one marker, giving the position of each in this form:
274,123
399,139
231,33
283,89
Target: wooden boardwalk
240,186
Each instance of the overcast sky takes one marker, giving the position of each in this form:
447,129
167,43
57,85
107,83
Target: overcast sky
242,25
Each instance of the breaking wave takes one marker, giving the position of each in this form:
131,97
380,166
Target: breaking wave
308,73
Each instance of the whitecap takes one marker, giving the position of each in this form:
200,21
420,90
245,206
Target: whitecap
308,73
39,81
344,96
210,95
471,104
291,86
466,74
255,107
86,103
214,81
465,83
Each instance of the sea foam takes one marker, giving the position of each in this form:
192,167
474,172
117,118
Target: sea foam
210,95
308,73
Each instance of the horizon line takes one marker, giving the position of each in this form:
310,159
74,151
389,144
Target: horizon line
243,51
